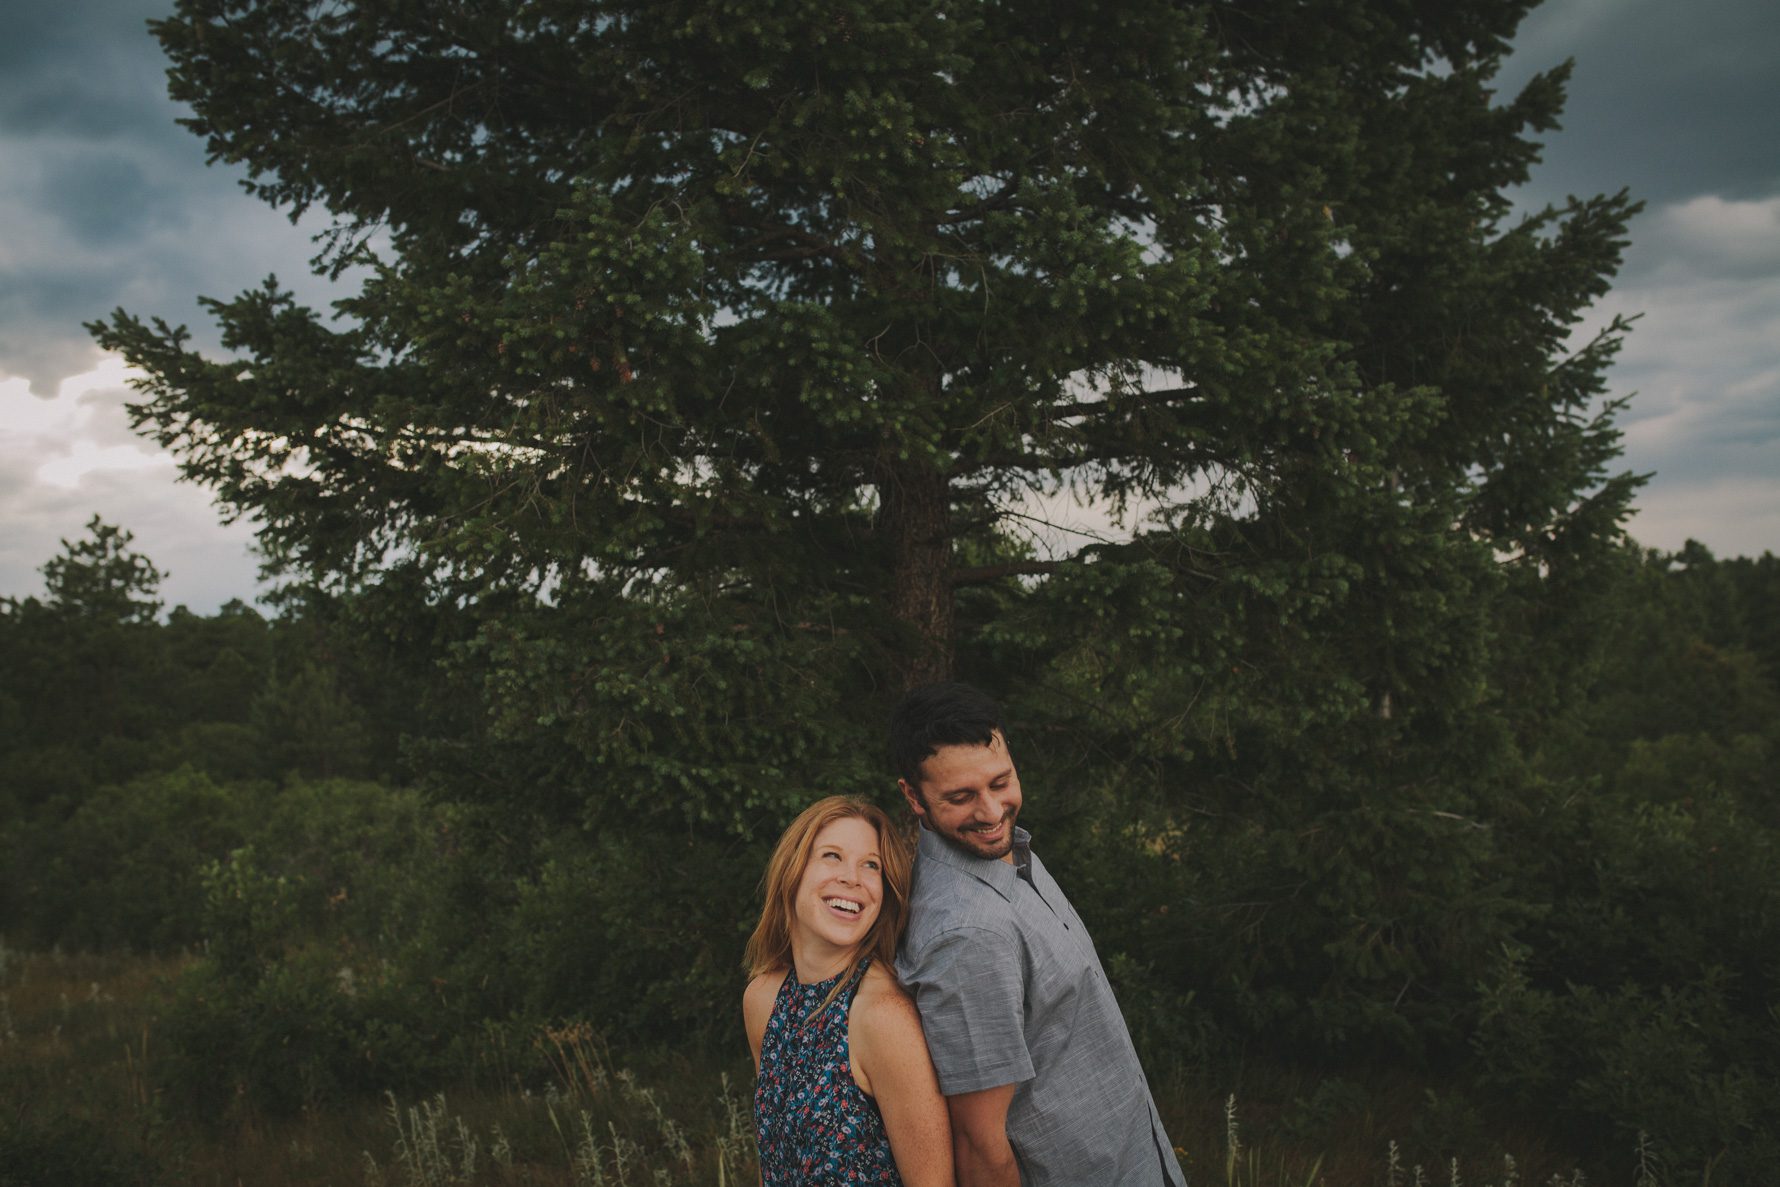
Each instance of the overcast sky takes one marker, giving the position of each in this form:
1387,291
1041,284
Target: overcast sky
106,202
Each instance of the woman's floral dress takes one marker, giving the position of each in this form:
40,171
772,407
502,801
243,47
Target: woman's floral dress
816,1127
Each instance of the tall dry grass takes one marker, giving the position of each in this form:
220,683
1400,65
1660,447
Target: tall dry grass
78,1048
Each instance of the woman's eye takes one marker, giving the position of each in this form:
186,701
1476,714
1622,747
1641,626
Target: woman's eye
871,865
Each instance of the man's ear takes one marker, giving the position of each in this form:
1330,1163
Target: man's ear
916,805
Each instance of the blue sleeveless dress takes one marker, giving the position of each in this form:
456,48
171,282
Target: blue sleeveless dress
816,1127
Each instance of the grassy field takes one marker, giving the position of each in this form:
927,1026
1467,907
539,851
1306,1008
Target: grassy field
79,1105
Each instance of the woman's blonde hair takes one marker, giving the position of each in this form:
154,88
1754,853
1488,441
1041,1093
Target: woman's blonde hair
769,948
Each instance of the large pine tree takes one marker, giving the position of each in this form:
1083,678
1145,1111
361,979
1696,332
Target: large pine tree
794,300
723,355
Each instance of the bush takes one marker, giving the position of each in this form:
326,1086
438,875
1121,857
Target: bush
643,935
1641,1001
121,870
281,1016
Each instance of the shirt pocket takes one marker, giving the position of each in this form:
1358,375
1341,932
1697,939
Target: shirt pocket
1061,967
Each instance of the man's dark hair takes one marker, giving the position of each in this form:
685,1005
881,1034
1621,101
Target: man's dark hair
936,715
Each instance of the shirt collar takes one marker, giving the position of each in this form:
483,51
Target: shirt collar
997,875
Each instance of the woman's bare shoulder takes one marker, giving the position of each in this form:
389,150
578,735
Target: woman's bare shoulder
758,997
884,1006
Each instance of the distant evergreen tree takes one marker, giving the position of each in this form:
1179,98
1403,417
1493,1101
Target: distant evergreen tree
102,579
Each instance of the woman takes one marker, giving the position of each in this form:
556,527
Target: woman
846,1091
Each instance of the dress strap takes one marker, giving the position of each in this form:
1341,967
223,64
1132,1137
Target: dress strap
841,995
851,988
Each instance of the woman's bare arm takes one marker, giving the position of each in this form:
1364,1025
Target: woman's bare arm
893,1066
757,1008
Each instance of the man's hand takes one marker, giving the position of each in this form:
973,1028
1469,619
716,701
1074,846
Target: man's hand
979,1138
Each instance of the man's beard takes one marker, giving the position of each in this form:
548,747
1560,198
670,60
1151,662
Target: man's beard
960,840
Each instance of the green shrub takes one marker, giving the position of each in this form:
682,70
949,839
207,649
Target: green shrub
642,935
122,869
315,982
1641,1002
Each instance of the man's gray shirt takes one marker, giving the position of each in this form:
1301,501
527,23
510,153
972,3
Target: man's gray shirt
1011,991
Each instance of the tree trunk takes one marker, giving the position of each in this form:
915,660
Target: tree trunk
915,518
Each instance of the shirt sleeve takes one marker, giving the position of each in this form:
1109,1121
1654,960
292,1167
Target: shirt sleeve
972,999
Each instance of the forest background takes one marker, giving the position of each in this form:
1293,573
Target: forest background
712,377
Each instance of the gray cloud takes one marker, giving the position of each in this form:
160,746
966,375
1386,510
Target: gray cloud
1669,99
102,199
105,201
1674,102
1704,364
1707,237
84,68
206,563
64,460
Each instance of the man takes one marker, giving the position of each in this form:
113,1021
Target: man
1041,1080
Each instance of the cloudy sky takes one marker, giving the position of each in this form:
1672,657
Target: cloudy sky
106,202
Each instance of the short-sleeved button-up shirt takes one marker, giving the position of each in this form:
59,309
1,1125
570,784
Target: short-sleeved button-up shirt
1011,991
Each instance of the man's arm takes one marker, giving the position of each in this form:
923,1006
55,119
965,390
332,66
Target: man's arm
980,1150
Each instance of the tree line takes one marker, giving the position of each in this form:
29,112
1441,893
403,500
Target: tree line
379,856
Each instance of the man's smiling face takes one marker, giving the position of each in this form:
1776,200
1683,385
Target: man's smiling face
970,796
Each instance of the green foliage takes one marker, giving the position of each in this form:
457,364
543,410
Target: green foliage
313,728
1639,998
300,996
102,579
639,933
123,870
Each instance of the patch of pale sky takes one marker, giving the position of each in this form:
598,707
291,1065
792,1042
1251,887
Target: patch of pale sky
1744,511
1713,236
1552,28
81,459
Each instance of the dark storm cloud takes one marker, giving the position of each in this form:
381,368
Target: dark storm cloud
104,199
86,69
1671,100
105,202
